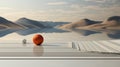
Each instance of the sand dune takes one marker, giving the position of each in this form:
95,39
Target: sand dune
25,26
6,24
23,23
81,23
28,23
110,23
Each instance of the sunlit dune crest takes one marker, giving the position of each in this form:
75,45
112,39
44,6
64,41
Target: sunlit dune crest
110,23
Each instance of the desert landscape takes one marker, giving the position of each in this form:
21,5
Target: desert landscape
71,28
85,37
25,26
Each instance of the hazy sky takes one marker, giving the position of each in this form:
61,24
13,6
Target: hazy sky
59,10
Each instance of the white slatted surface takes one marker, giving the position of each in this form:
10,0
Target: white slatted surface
100,46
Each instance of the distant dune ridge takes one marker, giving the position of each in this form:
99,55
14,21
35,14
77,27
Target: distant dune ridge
81,23
110,23
5,24
25,23
113,21
28,23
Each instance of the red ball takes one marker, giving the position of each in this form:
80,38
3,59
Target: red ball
38,39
